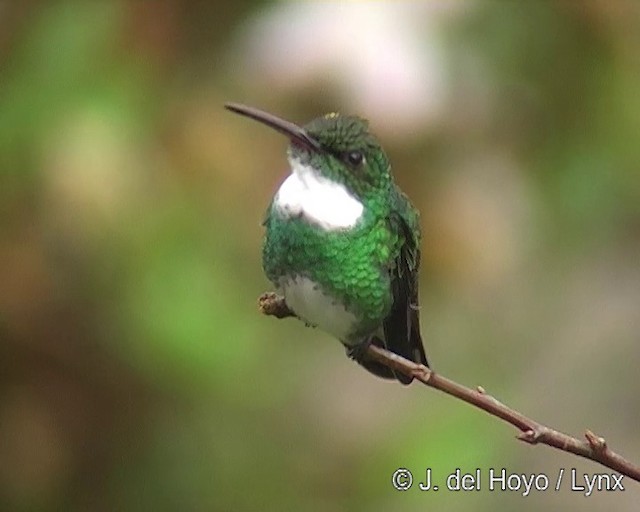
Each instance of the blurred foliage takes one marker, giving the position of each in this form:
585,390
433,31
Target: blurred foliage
135,372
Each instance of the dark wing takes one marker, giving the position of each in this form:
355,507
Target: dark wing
402,326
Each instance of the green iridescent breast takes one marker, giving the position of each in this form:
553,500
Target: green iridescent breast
352,266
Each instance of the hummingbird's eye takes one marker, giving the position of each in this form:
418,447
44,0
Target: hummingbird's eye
355,158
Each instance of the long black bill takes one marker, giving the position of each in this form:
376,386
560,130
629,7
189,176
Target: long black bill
291,130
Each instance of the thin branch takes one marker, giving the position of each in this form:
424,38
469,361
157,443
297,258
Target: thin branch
532,432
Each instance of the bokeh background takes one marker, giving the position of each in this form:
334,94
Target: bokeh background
135,371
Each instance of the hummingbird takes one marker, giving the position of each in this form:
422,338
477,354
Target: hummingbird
342,242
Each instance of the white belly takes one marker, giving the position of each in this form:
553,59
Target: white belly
310,304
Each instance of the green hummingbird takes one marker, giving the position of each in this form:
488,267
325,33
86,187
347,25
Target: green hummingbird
342,240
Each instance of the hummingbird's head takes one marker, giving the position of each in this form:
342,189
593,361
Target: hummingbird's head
336,147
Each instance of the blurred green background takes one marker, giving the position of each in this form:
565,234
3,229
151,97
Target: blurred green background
135,370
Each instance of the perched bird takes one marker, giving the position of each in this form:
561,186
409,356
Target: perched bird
342,240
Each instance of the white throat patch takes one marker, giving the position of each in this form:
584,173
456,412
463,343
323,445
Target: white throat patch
318,199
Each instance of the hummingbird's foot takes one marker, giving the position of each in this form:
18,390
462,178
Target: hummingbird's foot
359,354
359,351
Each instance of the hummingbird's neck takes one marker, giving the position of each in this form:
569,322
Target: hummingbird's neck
316,199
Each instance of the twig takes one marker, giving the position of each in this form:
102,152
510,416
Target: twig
532,432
